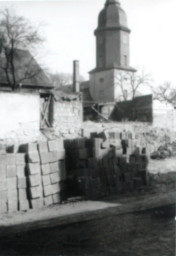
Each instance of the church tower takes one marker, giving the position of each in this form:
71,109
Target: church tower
112,52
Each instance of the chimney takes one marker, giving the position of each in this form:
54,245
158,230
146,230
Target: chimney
76,85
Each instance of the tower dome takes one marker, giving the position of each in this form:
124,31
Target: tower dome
112,16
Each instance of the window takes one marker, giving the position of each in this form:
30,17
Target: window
125,60
100,61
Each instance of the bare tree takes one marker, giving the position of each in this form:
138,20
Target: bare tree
60,80
165,93
17,33
130,83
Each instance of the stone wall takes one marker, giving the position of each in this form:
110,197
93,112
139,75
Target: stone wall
68,117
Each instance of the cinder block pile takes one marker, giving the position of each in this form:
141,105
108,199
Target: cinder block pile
12,182
107,164
32,176
52,159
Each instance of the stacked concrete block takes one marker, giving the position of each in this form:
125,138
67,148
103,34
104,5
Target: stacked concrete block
11,182
34,184
23,202
3,184
108,163
52,159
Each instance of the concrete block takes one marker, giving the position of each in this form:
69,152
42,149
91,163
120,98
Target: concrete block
62,170
21,171
11,159
20,159
56,198
21,182
92,163
51,189
45,169
43,146
99,153
105,144
45,157
48,190
55,177
11,171
33,168
37,203
11,183
3,184
118,152
3,195
2,149
12,205
28,148
56,145
54,167
57,155
83,153
3,160
56,188
34,180
23,205
35,192
12,194
12,148
2,170
46,180
115,143
124,135
22,194
3,207
48,200
33,157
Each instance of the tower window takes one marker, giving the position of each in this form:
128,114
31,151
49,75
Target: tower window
125,60
100,61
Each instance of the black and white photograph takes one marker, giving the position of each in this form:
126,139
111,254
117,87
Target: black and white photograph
87,128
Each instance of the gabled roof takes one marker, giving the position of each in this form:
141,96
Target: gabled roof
25,66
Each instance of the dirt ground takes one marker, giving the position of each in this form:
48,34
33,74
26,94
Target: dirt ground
144,233
148,233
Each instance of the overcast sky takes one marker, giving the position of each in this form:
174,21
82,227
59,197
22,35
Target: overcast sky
70,25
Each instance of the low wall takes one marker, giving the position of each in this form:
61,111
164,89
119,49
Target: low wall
19,116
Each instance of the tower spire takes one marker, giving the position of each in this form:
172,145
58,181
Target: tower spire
112,2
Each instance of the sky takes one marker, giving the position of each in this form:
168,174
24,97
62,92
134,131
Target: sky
69,32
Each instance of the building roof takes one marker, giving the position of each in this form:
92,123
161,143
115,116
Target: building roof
28,72
138,109
112,16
